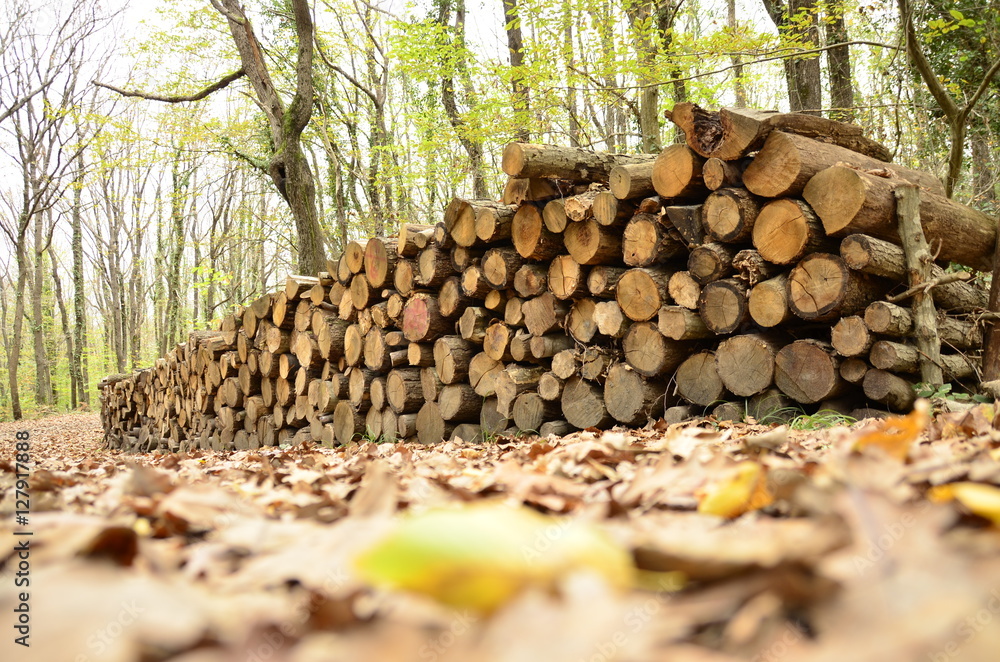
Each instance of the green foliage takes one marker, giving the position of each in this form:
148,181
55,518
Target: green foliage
944,392
822,419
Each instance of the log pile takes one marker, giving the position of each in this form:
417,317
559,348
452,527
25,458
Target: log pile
759,266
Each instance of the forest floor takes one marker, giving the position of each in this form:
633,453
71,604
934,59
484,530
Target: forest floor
739,542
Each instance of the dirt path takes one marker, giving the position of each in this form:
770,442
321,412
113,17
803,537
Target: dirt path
749,544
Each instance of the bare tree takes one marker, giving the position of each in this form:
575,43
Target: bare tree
43,61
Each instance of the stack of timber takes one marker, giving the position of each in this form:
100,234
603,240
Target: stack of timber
756,268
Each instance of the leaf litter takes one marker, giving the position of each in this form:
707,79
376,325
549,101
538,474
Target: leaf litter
701,542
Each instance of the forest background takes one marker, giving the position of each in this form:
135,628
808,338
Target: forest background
161,165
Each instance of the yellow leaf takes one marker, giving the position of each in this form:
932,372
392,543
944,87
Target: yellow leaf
896,434
480,556
741,492
982,500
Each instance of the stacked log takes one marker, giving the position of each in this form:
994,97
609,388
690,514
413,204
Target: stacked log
754,268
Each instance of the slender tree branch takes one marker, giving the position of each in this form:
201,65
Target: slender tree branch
198,96
923,65
983,86
235,18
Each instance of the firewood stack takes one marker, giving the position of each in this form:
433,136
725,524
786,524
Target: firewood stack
757,268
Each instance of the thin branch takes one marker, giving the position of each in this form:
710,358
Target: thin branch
987,79
923,65
238,20
198,96
798,53
927,286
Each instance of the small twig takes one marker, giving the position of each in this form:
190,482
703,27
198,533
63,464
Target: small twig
929,285
197,96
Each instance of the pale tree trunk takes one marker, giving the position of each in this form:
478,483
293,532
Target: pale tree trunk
802,75
78,362
739,86
984,170
43,376
14,349
520,90
178,198
67,331
839,64
473,147
289,169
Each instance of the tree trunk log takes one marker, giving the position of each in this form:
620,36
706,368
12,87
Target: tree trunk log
632,180
647,242
591,243
630,398
531,238
641,292
570,163
723,305
746,363
583,405
821,287
566,279
698,380
851,337
807,372
894,392
729,215
650,353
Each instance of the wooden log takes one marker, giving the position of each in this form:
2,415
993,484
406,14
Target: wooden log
530,411
786,230
430,383
610,320
610,211
751,267
821,287
500,265
729,215
518,190
892,320
404,278
544,314
720,174
601,281
377,394
730,411
531,238
807,372
422,319
677,173
580,207
462,257
491,421
787,162
632,399
851,201
882,258
569,163
649,352
354,256
441,238
768,302
514,380
451,358
474,283
894,392
412,239
580,324
631,180
493,224
550,386
592,243
734,132
513,312
354,345
595,362
497,341
419,354
746,362
460,219
684,290
554,215
472,324
698,379
296,286
583,405
483,371
853,369
566,278
898,357
851,337
679,323
723,305
565,364
380,260
543,347
496,300
641,292
433,267
686,219
431,426
348,424
531,280
359,381
647,241
452,302
710,262
459,403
